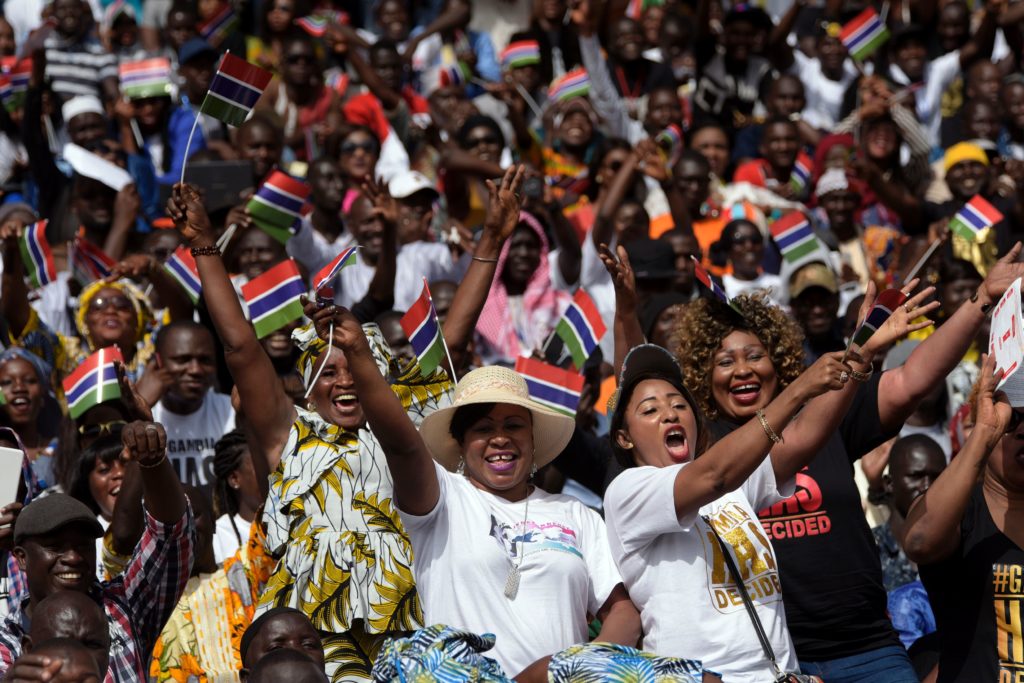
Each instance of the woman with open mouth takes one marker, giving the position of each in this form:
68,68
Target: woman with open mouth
737,360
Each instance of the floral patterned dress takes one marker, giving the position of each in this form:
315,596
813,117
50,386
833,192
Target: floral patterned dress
344,558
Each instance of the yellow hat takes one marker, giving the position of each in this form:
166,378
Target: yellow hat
963,151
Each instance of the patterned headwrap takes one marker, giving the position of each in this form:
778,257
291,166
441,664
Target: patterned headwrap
144,318
311,346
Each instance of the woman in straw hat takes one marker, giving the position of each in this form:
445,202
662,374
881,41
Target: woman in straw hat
494,553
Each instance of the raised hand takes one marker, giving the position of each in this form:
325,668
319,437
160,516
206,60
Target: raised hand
133,266
653,163
909,317
384,205
828,373
622,276
992,410
347,333
504,204
1001,276
185,208
127,203
133,401
31,668
8,516
144,442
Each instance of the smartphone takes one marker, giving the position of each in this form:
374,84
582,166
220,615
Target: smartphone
10,474
533,188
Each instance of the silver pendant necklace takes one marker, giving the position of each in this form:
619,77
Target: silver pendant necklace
512,580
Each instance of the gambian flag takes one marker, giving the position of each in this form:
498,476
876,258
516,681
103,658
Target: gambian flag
864,34
14,83
273,298
327,273
219,26
520,53
801,174
235,89
277,205
976,216
453,71
636,8
36,255
887,302
551,386
315,25
794,236
581,327
89,262
182,267
424,331
705,279
93,382
575,83
146,78
670,141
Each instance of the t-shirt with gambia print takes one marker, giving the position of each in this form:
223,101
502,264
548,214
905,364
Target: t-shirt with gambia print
464,549
676,574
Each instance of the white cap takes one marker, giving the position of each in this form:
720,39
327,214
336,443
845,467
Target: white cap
408,183
81,104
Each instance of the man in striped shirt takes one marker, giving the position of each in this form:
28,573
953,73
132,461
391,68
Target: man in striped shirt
55,545
76,63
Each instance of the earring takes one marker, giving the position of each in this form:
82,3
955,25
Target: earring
629,445
533,470
461,469
310,406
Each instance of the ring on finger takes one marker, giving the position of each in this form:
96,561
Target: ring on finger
844,376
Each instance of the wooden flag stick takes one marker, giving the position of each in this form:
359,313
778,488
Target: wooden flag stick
923,260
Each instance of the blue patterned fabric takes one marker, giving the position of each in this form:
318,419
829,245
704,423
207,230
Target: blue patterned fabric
438,653
608,663
911,612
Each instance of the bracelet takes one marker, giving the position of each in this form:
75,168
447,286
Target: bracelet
159,462
985,308
858,376
485,260
210,250
775,438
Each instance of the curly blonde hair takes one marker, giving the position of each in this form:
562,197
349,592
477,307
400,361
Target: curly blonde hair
705,323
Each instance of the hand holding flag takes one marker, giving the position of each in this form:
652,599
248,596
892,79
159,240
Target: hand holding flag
36,255
325,275
423,329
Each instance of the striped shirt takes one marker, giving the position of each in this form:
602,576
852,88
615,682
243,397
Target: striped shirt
138,602
77,67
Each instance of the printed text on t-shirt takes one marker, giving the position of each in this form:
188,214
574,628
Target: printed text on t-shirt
1007,593
753,555
800,514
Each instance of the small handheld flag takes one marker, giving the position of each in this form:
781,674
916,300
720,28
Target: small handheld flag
314,25
887,302
93,382
575,83
324,276
670,141
520,53
218,27
976,216
277,205
89,262
581,327
36,255
636,8
453,71
423,329
235,89
146,78
182,267
704,278
864,34
273,298
14,84
801,174
794,237
550,385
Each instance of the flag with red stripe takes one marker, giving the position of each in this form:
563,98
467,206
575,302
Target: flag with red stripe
887,302
581,327
93,382
550,385
423,329
976,216
235,89
89,262
327,273
182,267
36,255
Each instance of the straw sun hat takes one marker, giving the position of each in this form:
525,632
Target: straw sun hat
551,430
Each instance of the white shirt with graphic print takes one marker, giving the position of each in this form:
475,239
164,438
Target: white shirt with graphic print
676,575
464,549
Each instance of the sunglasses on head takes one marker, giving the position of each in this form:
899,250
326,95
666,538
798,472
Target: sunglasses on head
94,431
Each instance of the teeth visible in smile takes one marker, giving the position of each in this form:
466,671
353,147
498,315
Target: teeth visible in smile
69,576
116,490
345,397
501,457
19,401
746,387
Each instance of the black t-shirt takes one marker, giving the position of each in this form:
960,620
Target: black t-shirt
977,594
828,561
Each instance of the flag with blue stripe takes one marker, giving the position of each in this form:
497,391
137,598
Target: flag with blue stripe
273,298
93,382
551,386
581,327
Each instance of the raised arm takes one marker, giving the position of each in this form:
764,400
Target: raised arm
388,97
933,525
410,463
903,388
172,296
503,207
259,389
382,286
570,254
626,327
779,51
982,41
13,291
730,462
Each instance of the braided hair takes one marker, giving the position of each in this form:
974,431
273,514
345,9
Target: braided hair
228,454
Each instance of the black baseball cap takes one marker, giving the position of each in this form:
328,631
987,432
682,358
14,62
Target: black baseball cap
51,512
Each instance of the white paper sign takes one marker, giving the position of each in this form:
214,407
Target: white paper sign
10,474
1006,343
96,167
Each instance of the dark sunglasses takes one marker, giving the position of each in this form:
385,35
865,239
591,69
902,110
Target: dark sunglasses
119,303
473,143
95,431
352,147
299,59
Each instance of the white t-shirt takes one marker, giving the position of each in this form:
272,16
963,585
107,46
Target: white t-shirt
416,260
190,438
764,282
824,96
309,247
464,549
676,575
939,73
225,541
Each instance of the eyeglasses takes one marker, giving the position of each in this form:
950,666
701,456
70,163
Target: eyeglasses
119,303
94,431
299,59
473,143
352,147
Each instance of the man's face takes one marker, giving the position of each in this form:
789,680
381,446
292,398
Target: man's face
189,358
911,57
967,179
415,213
367,228
527,76
261,145
816,309
86,130
393,20
627,41
686,249
257,252
663,109
79,621
981,121
832,54
388,66
780,145
198,74
984,81
786,97
64,559
327,186
913,475
840,206
738,40
94,203
180,27
299,63
694,183
953,26
69,15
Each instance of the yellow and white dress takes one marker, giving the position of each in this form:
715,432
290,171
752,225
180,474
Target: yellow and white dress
344,558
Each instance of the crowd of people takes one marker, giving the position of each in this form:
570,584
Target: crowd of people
739,472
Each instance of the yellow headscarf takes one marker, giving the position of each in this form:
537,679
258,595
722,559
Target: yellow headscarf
144,319
311,346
